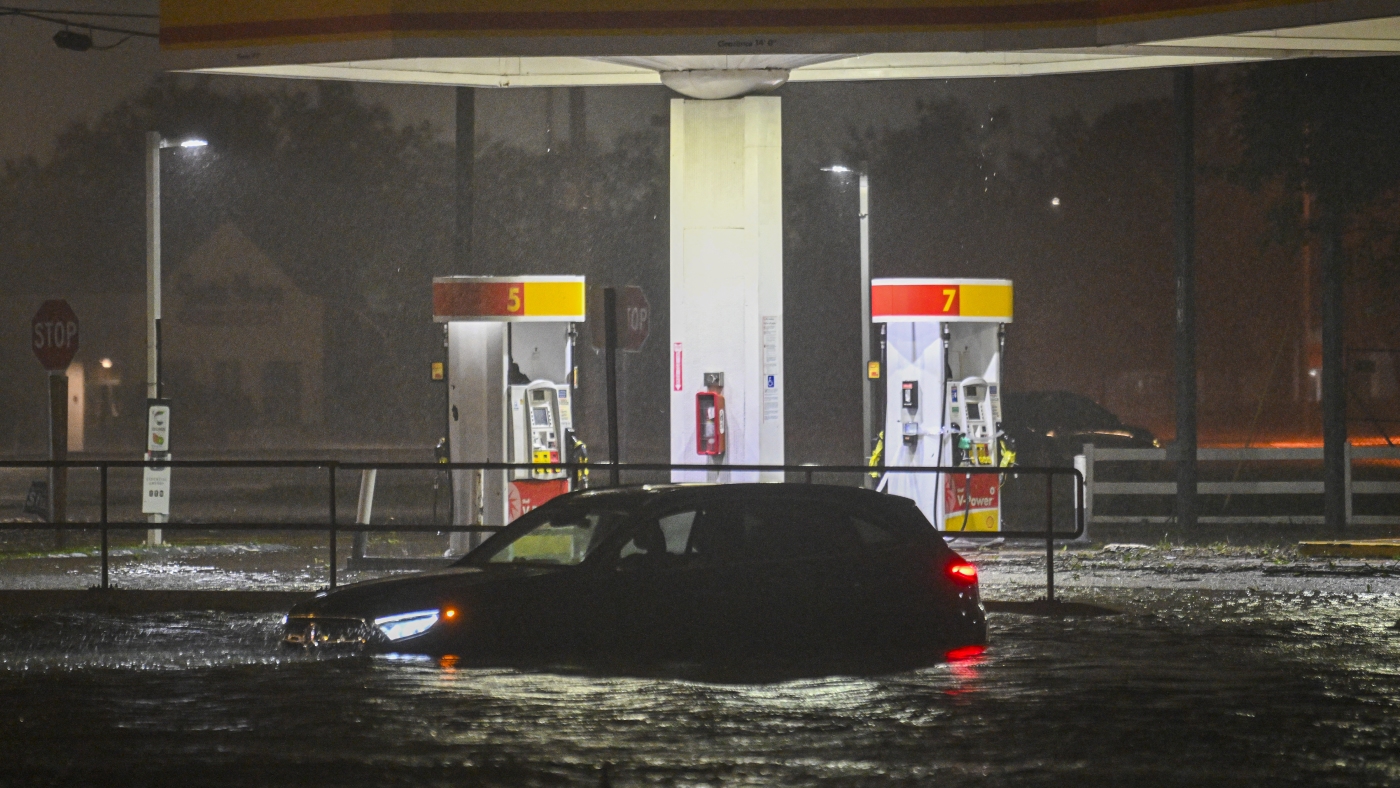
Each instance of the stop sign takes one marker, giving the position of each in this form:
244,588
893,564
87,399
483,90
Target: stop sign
633,318
55,334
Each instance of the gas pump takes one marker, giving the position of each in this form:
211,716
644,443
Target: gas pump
540,416
972,502
975,418
510,372
943,342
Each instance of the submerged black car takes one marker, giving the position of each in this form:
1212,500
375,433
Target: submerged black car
677,574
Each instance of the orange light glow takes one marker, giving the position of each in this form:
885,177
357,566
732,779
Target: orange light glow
449,613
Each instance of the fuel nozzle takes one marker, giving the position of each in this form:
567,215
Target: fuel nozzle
961,446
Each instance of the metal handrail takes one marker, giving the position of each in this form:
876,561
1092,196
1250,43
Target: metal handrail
1094,456
334,466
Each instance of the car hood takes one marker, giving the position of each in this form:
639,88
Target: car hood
389,596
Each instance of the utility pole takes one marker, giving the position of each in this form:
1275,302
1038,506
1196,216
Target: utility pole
867,434
1185,451
1334,405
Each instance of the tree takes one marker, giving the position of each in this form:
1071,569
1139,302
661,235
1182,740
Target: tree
355,209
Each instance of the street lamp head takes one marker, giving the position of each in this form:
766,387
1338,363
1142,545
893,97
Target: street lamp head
840,169
189,142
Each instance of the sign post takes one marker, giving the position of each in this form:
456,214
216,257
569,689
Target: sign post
54,336
625,325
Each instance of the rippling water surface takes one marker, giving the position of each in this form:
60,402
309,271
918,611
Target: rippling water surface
1187,689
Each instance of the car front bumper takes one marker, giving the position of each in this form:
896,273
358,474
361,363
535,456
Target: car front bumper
307,631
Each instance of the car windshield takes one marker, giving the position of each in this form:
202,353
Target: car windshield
562,537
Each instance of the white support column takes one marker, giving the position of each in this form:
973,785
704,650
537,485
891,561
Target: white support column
727,276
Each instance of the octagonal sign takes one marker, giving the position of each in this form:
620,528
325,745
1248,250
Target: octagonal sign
55,335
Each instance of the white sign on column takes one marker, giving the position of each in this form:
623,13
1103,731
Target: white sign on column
155,481
155,487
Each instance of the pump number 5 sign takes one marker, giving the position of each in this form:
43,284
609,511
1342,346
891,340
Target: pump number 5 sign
522,298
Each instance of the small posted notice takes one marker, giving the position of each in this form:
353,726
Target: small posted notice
772,368
155,488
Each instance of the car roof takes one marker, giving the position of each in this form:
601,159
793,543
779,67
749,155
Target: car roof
647,494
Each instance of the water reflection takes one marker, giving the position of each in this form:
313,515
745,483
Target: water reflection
1191,688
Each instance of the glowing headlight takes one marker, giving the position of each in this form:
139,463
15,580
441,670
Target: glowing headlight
406,625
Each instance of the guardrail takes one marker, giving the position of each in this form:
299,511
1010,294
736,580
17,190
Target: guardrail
1087,462
332,526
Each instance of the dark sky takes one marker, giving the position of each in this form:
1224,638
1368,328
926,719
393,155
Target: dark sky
48,88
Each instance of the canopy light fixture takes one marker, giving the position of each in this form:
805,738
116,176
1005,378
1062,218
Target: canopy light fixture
67,39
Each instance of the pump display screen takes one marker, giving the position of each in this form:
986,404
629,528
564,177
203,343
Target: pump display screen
973,411
540,416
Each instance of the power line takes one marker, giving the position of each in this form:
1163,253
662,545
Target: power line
43,17
67,12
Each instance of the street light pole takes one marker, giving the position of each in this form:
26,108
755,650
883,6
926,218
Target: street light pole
867,418
153,147
154,144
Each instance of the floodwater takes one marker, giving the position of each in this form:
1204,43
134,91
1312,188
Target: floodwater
1191,687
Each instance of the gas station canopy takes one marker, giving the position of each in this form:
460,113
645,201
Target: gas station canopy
537,43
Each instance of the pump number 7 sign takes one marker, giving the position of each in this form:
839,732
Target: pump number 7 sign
934,300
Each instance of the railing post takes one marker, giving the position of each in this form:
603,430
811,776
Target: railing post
1346,476
102,471
1049,536
610,361
364,510
1088,485
1082,526
331,470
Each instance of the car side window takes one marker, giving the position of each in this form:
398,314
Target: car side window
676,527
782,530
660,541
872,534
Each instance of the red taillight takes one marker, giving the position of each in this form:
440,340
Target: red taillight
962,571
965,652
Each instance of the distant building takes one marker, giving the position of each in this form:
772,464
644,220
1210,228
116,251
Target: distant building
243,347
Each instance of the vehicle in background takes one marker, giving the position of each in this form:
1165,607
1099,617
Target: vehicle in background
1051,427
718,576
